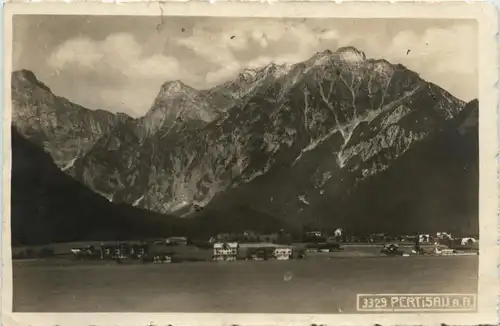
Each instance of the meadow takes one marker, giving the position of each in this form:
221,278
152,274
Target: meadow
321,283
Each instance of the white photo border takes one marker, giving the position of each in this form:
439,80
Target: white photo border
486,15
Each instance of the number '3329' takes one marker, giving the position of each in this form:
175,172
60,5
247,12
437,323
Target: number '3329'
373,303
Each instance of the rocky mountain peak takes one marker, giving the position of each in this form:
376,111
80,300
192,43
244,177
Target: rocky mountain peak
175,103
322,54
276,70
63,129
346,54
24,74
319,58
247,74
351,54
382,67
174,88
170,93
26,77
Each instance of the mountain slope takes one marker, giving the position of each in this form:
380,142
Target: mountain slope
313,143
48,206
326,124
176,102
65,130
433,186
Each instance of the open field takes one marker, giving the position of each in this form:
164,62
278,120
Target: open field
317,284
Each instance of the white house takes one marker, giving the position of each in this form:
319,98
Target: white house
225,251
468,240
424,238
284,253
162,259
443,235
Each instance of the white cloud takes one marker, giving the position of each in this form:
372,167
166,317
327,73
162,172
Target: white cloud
156,66
329,35
209,46
133,98
118,52
135,75
223,74
263,61
219,49
443,56
439,55
80,50
236,40
260,62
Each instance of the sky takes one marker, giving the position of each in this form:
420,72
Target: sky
118,63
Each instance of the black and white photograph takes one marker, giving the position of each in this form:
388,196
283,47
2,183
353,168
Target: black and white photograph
249,164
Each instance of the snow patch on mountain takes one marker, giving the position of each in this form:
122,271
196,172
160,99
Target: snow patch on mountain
109,197
395,116
277,70
315,143
69,165
138,201
380,141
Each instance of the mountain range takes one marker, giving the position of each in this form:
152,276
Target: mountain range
338,140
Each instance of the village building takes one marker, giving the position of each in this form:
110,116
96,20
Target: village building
138,251
259,253
468,241
424,238
106,252
162,259
225,251
283,253
443,235
443,251
85,252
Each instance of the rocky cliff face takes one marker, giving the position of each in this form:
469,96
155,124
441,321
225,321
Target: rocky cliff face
433,185
65,130
293,141
48,206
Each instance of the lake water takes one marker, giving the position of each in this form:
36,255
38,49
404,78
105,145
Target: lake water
313,285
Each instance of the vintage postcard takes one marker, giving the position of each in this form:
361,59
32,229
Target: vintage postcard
250,164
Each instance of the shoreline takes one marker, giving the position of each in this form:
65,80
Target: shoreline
65,261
